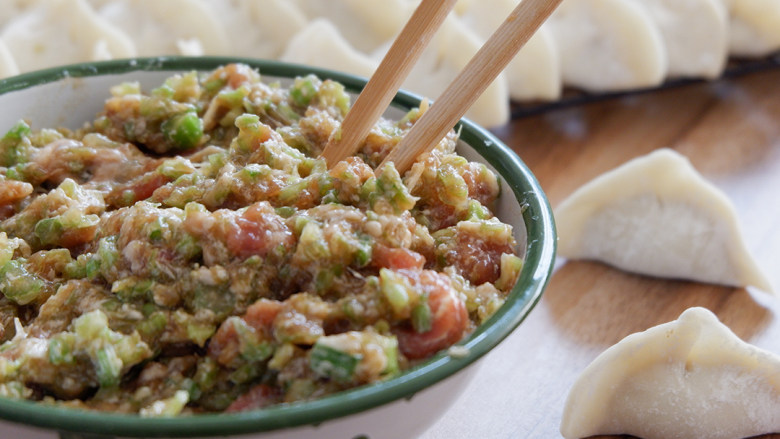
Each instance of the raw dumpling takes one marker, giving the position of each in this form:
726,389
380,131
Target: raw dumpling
695,33
447,54
13,8
690,378
258,28
755,27
320,44
656,215
63,32
607,45
365,24
170,27
7,64
535,72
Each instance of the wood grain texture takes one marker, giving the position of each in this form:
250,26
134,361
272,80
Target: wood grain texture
730,130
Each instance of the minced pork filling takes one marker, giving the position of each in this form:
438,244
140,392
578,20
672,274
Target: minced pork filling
187,251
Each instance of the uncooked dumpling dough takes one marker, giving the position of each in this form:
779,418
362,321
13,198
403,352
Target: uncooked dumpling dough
607,45
367,25
755,27
257,28
695,34
656,215
690,378
63,32
450,49
169,27
535,71
320,44
7,64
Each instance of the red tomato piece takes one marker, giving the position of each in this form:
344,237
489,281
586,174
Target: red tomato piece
396,258
449,319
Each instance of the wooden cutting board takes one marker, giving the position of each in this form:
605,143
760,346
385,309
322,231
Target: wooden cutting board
730,130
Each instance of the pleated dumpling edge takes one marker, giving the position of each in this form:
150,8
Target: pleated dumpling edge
656,215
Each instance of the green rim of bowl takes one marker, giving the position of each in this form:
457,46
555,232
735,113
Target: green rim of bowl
539,260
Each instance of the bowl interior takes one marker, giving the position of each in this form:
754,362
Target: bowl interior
69,96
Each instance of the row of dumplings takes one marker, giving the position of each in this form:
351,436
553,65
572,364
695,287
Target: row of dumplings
656,215
594,45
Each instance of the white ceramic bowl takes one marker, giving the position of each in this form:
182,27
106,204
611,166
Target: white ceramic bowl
401,407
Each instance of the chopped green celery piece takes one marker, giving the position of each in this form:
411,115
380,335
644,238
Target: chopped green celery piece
510,270
312,243
292,191
394,290
390,187
107,255
213,85
299,223
130,288
252,349
332,94
216,162
19,285
304,89
15,145
332,363
421,317
166,407
251,133
200,332
77,268
325,277
188,248
284,211
234,97
183,130
126,88
90,326
206,374
7,247
246,373
282,356
390,347
175,168
153,325
61,348
253,171
477,211
49,230
364,250
455,190
300,388
108,366
14,390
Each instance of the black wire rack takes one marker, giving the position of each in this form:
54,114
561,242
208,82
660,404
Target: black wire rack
575,98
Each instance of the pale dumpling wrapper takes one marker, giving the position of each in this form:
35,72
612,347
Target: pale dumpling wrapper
607,45
63,32
7,64
535,71
366,25
257,28
321,45
695,34
450,49
754,28
656,215
170,27
689,378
